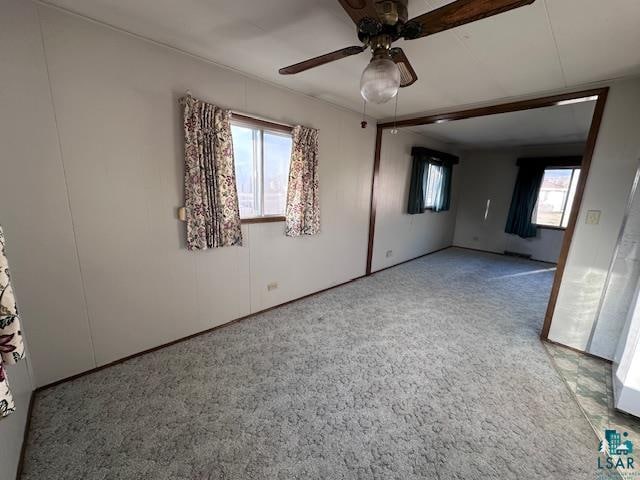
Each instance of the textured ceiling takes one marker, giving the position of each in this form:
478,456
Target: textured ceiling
540,126
549,45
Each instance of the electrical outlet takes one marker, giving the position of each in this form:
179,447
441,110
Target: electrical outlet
389,253
272,286
593,217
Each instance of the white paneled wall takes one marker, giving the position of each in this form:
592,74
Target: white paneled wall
37,225
613,168
101,264
398,235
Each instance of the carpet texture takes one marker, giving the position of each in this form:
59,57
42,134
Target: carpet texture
430,370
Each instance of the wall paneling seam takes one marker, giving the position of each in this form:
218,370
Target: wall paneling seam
66,186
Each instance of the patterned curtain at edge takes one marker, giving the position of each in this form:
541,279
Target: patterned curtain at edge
11,345
302,215
523,201
211,197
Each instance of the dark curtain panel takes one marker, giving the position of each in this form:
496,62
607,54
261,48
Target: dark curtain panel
416,187
523,201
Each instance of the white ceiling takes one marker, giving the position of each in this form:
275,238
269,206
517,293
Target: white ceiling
549,45
541,126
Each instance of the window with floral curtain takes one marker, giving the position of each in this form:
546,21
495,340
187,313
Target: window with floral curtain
303,203
211,198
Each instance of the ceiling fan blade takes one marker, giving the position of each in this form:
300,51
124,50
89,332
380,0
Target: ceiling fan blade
359,9
408,75
462,11
321,60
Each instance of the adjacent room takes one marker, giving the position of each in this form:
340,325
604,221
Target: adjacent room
228,254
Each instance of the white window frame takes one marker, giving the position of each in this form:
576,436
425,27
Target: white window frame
259,127
565,213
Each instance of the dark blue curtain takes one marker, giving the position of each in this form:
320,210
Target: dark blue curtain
416,187
523,201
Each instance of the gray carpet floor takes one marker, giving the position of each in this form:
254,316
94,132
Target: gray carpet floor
429,370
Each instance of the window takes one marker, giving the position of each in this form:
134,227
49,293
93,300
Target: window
436,186
433,184
555,197
262,159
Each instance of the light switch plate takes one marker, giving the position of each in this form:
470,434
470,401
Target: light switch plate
593,217
182,214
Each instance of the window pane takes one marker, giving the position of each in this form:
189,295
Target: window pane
433,185
277,155
552,196
572,194
244,153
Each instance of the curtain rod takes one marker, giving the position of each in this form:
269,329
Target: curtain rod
261,121
259,118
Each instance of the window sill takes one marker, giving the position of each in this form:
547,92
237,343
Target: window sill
433,210
268,219
550,227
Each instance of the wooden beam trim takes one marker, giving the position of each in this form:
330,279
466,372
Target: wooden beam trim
493,109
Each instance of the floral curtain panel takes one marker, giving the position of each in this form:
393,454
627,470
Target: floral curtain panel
303,204
11,345
211,197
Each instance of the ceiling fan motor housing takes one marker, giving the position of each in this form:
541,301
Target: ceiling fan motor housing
392,12
369,27
392,21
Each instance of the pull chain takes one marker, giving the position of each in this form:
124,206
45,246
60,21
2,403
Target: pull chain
363,123
394,130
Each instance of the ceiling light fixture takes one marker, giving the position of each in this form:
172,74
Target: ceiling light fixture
380,81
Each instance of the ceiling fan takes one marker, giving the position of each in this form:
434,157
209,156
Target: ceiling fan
381,22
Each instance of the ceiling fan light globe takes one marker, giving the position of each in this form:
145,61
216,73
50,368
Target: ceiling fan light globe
380,81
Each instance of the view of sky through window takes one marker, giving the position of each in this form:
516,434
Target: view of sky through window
555,197
262,170
433,185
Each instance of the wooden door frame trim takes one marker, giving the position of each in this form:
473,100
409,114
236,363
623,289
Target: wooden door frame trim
596,121
520,105
374,195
